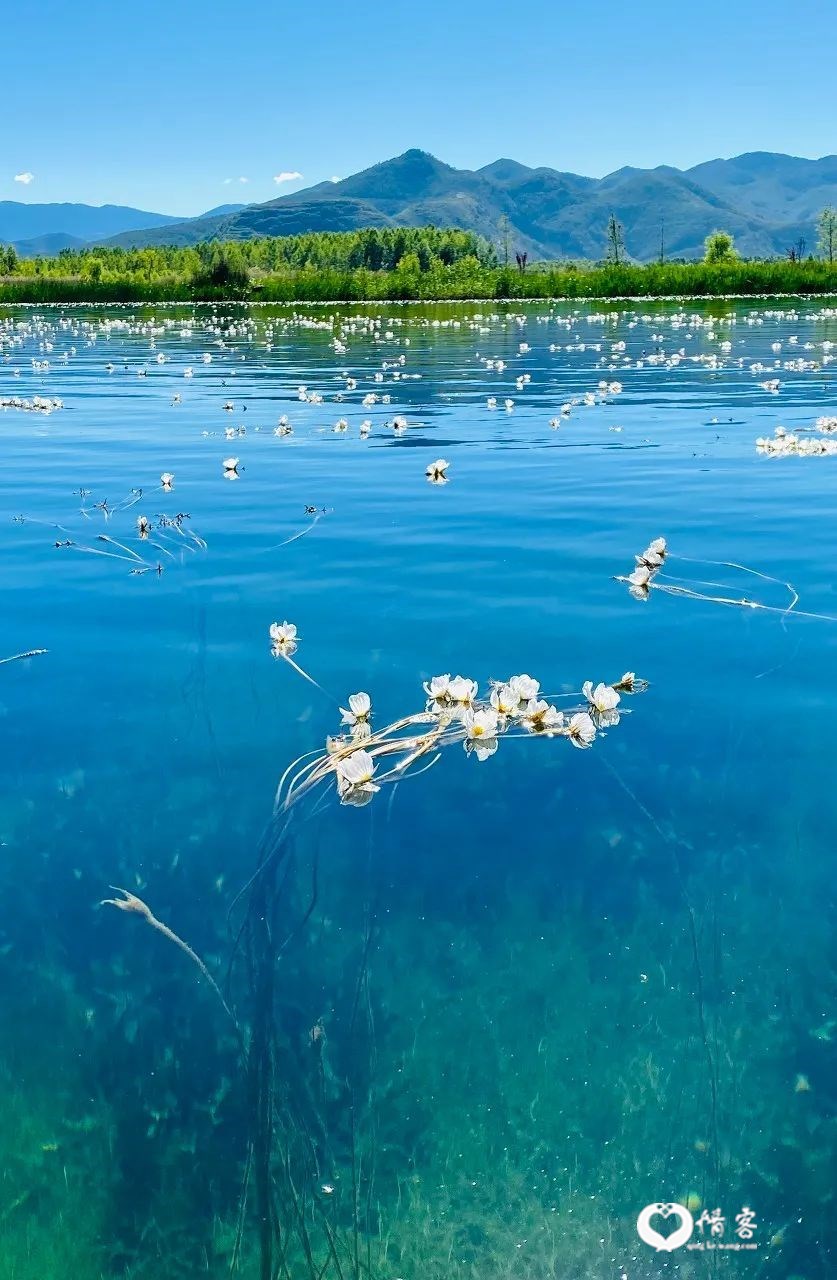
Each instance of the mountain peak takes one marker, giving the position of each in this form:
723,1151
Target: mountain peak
504,170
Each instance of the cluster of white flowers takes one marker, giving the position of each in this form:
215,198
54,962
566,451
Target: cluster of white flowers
648,565
789,443
454,712
38,404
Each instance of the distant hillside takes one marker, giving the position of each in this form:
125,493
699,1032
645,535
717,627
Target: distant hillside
48,245
774,187
43,229
21,222
768,201
221,209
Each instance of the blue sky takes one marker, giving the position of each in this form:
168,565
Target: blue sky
167,104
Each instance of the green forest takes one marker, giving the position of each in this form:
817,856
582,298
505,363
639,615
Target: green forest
403,263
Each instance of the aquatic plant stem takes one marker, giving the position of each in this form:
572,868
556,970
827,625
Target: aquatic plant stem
19,657
130,902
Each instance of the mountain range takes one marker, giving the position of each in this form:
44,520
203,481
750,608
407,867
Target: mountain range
768,201
48,228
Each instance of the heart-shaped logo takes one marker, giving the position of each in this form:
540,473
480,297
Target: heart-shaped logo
660,1242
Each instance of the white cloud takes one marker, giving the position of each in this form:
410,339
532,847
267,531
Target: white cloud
25,178
290,175
227,181
335,179
243,179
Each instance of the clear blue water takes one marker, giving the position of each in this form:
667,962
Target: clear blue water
513,1001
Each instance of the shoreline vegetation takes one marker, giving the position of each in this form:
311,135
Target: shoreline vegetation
381,264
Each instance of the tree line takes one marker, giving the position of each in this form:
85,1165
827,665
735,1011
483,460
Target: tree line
236,263
382,263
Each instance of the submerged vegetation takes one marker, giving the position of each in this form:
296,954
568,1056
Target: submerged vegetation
421,263
456,1026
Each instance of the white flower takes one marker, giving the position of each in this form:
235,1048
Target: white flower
167,480
640,577
281,632
541,717
628,682
436,471
505,700
525,687
360,706
581,730
654,554
231,464
481,724
601,698
354,778
438,689
341,425
283,637
481,732
462,690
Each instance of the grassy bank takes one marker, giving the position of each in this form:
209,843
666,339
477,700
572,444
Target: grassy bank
376,265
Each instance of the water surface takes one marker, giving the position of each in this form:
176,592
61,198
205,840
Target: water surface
518,1000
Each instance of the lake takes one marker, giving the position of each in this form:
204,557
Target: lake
470,1024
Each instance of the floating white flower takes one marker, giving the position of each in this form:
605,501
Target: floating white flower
231,466
654,554
602,697
438,688
481,724
354,778
542,717
462,690
284,638
143,527
640,577
360,707
581,730
525,687
436,471
481,732
603,701
505,700
167,480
